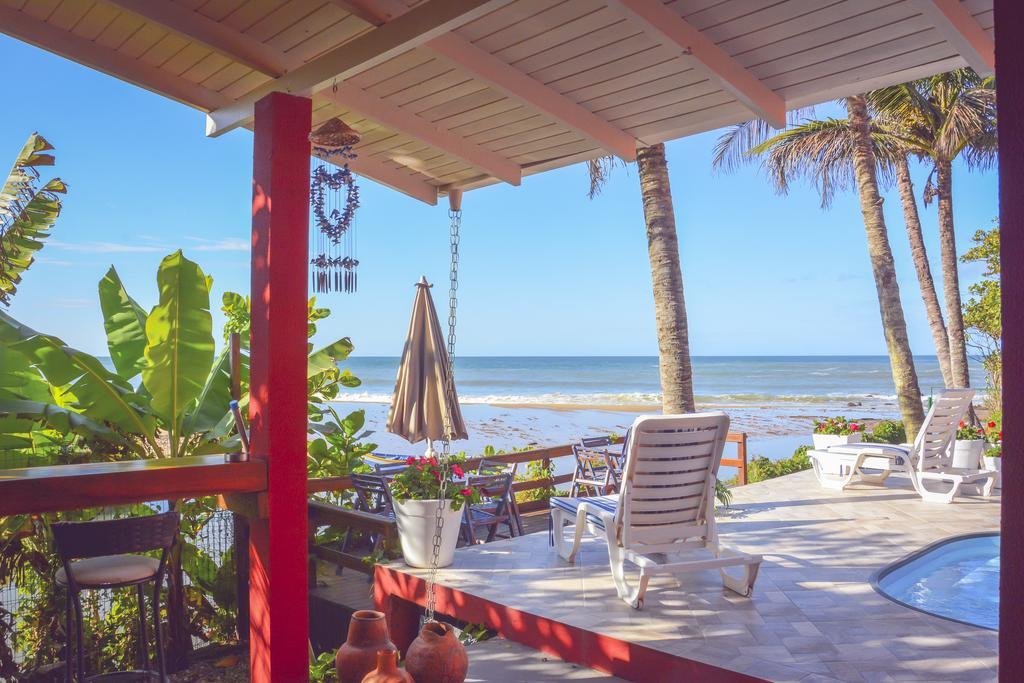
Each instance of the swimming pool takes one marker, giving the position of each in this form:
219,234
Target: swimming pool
955,579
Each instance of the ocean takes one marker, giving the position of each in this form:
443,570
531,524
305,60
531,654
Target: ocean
519,401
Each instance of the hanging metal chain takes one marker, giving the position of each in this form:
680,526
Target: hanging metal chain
455,218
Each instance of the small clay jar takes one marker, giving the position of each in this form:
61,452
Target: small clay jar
367,635
437,656
387,670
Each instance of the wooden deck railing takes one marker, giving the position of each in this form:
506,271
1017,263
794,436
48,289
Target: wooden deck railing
545,456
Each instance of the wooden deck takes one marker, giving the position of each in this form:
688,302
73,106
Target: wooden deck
814,614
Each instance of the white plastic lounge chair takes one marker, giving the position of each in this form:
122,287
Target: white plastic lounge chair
927,460
663,521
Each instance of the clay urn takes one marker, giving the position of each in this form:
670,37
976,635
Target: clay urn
387,670
367,635
437,656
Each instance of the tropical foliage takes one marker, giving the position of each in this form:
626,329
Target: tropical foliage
166,396
27,212
982,312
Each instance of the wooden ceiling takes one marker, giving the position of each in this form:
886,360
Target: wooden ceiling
465,93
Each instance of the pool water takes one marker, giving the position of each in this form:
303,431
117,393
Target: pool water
957,579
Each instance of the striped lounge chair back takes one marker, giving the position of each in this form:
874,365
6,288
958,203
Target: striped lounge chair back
669,485
934,443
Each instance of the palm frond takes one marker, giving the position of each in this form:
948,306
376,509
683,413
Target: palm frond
599,170
27,213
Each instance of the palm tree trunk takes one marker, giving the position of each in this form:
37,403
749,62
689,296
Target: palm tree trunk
894,325
924,271
667,277
951,276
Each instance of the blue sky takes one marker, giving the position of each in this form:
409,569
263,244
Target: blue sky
545,271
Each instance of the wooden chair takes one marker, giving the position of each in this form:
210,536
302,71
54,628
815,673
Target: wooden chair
495,467
373,496
493,511
597,472
104,555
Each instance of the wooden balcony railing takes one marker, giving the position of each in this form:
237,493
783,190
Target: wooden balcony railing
546,456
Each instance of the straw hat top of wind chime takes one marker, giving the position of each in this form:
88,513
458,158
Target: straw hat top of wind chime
334,198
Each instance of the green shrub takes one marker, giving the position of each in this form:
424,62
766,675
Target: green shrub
761,468
887,431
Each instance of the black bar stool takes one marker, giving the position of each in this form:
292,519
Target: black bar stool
105,555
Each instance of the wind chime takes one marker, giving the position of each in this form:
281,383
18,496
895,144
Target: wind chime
334,197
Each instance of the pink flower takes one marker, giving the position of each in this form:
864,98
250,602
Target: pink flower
854,427
962,424
410,461
457,471
467,492
991,425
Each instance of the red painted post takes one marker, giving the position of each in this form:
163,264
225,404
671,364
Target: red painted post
278,592
1009,16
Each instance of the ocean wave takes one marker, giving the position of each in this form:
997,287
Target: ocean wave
646,399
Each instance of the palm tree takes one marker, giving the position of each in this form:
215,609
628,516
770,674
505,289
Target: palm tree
940,118
666,274
836,154
919,255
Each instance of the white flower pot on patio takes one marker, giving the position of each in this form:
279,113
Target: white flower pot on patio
823,441
994,465
967,454
417,520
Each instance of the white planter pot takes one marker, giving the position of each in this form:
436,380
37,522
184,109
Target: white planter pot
967,454
417,520
995,465
823,441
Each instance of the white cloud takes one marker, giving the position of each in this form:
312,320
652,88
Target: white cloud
225,244
151,245
104,247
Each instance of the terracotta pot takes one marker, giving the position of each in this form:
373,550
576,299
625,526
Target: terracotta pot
367,635
437,656
387,670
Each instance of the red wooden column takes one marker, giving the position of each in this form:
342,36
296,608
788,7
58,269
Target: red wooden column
1009,16
278,594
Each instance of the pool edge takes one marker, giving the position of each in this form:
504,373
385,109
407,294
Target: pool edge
879,574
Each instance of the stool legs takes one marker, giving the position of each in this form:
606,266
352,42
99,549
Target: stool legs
143,653
158,629
68,622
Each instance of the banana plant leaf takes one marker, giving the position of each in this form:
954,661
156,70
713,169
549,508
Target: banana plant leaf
329,356
27,213
180,346
211,406
79,381
125,323
18,379
61,419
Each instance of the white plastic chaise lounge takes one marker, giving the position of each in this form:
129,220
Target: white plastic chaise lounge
927,461
663,521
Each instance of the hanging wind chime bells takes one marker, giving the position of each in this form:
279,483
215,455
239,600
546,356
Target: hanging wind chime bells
334,197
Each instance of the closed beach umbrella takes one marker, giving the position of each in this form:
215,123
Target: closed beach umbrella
422,401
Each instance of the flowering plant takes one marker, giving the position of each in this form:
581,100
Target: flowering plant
836,426
970,432
995,436
421,480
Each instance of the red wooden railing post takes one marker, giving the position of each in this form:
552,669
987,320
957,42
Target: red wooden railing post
1009,15
278,593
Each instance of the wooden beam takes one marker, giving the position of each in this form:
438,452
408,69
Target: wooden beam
520,86
212,34
278,588
394,178
955,23
71,46
506,79
414,28
32,490
394,117
670,29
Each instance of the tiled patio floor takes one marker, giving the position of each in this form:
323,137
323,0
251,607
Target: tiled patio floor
813,615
